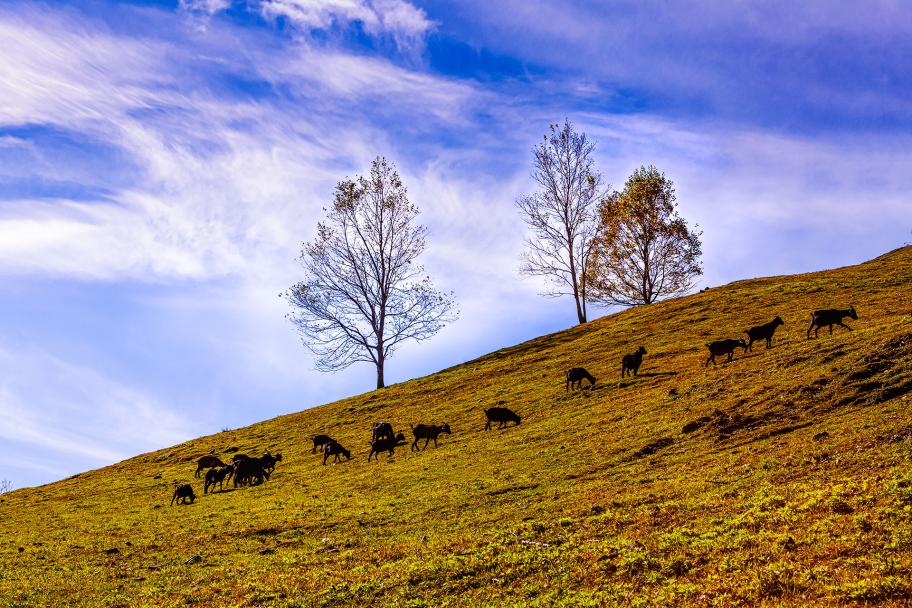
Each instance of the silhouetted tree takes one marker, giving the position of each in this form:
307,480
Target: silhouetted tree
643,250
5,486
561,214
363,294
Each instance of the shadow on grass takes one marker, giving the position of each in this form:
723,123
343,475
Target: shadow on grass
655,374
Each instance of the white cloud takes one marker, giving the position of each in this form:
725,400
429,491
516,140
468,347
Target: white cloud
223,186
209,7
402,20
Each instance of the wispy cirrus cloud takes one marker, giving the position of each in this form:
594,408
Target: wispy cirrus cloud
399,19
212,174
402,21
80,419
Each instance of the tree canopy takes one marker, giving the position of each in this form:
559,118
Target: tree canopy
363,293
642,250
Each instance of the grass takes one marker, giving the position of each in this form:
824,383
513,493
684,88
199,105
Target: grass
791,487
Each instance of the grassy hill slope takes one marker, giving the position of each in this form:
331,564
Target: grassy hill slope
792,486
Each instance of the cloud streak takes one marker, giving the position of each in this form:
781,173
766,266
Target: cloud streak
68,422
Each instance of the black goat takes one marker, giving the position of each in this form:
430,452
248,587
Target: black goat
382,430
386,444
269,462
320,441
830,317
501,415
575,377
183,493
763,332
428,432
334,448
249,471
207,462
632,363
217,475
724,347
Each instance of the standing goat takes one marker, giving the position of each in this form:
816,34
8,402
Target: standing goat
830,317
501,415
250,471
763,332
334,448
386,444
632,363
319,441
724,347
218,476
269,462
382,430
183,493
207,462
575,377
428,432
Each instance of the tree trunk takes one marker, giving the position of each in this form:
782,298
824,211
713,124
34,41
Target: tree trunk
380,383
580,311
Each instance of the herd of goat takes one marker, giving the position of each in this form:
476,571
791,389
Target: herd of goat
247,470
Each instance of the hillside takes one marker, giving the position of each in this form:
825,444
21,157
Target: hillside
792,486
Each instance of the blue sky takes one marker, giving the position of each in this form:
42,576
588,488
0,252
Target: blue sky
162,162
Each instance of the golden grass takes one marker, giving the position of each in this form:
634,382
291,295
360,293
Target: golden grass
598,498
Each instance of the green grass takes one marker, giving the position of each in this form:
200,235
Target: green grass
597,499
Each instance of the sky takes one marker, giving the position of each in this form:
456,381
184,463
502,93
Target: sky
162,162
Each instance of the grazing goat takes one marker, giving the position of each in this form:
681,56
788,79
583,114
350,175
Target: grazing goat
382,430
217,476
249,471
334,448
207,462
763,332
428,432
830,317
183,493
575,377
501,415
386,444
320,441
724,347
632,363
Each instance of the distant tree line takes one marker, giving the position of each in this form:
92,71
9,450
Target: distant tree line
364,293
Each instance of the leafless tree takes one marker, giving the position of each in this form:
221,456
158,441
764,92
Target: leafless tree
561,214
643,250
363,293
5,486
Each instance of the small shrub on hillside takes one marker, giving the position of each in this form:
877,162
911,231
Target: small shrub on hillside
840,505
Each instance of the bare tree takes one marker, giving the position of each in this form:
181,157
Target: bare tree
643,250
6,486
363,294
561,214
